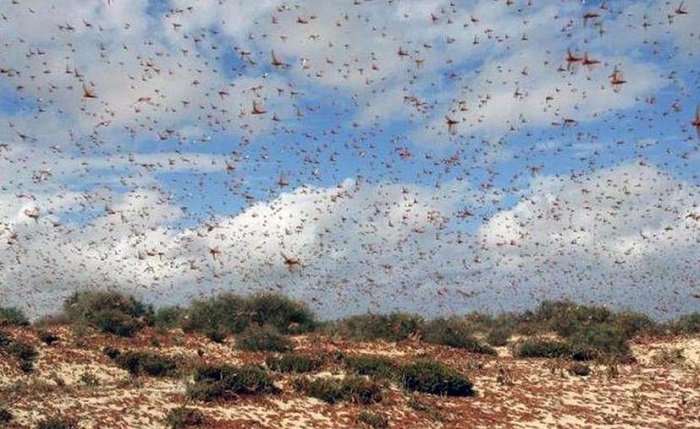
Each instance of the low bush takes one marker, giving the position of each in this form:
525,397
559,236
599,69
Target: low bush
25,353
539,348
263,339
687,324
214,382
499,336
294,362
371,327
373,420
600,341
434,378
453,332
229,313
332,390
147,363
12,316
48,338
5,415
58,423
166,318
579,368
378,367
108,311
184,417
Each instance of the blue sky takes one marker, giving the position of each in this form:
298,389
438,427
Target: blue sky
227,137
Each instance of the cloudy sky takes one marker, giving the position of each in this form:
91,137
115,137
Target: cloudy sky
426,156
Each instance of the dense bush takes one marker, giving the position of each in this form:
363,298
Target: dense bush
539,348
294,362
370,327
371,419
453,332
231,314
263,339
373,366
147,363
351,388
212,382
168,317
110,312
183,417
600,341
12,316
435,378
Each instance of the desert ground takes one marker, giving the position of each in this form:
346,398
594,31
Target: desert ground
73,378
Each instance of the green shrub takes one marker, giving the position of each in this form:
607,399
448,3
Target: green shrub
434,378
294,362
232,314
566,317
216,336
370,327
110,312
373,366
12,316
453,332
499,336
225,312
5,415
170,317
265,338
213,382
600,341
633,324
371,419
183,417
332,390
538,348
687,324
289,317
57,423
147,363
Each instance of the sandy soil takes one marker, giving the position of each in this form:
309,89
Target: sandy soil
74,378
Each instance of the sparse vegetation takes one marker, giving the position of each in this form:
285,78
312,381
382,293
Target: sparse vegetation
12,316
58,422
294,362
147,363
350,388
378,367
541,348
453,332
370,327
184,417
433,377
579,368
25,353
47,337
373,420
215,382
108,311
263,339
